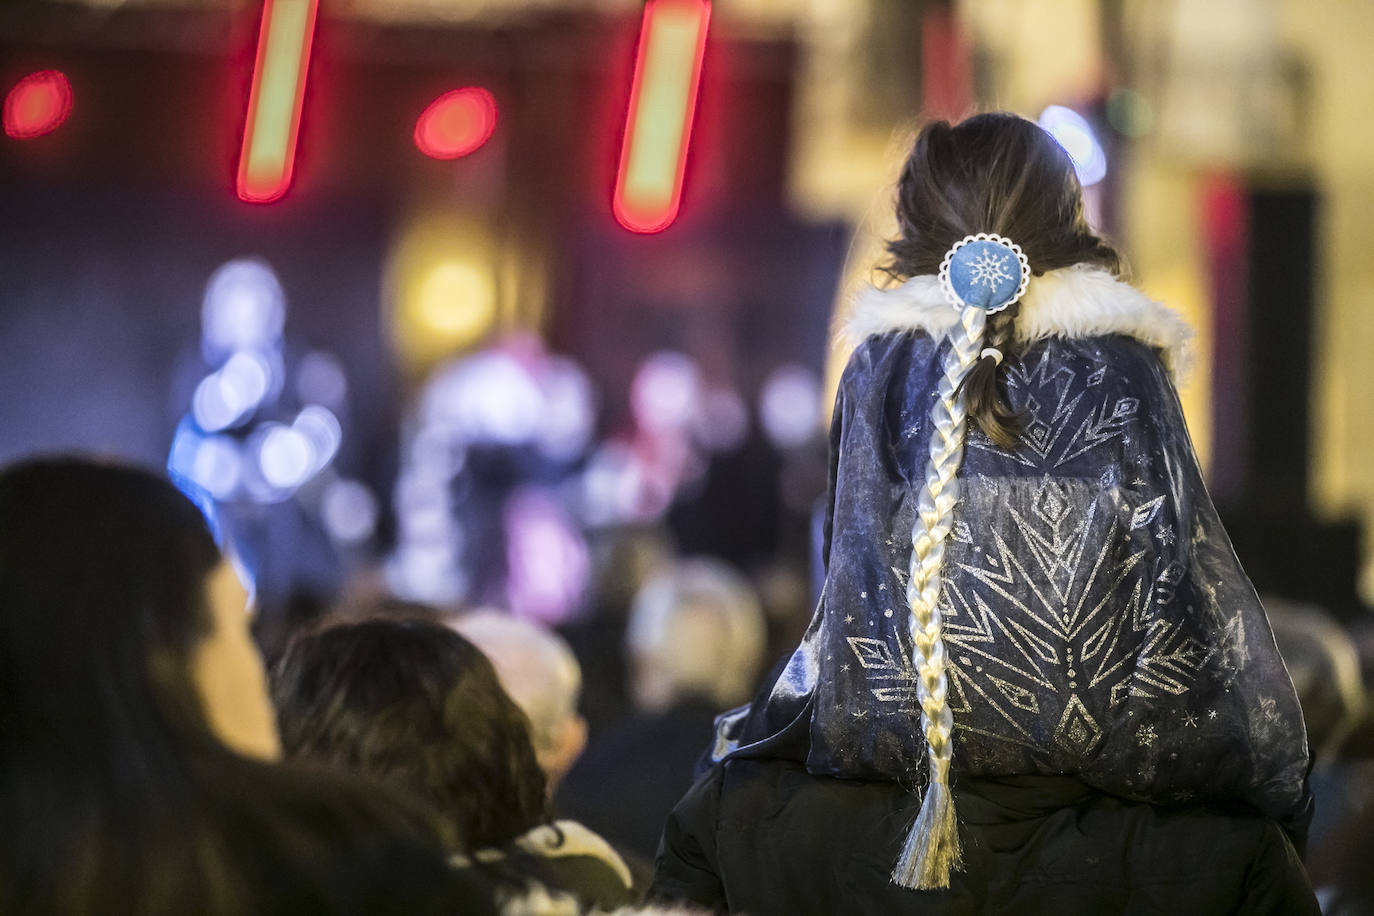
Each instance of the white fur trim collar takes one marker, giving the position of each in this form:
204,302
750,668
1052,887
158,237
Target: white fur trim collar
1073,302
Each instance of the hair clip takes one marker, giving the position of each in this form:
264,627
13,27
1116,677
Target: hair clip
984,271
995,353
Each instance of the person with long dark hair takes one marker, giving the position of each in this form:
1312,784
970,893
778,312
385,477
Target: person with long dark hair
137,740
1037,678
406,700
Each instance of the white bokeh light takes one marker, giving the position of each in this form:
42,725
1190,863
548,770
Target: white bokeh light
789,405
569,410
349,510
320,379
666,392
244,309
1073,132
217,466
724,421
321,428
286,456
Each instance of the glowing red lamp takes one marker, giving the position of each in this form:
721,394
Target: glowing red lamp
456,123
274,103
663,98
37,105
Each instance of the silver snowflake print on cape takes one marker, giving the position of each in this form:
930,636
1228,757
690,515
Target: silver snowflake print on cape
1057,594
989,270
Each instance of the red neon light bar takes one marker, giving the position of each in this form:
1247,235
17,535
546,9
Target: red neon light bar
274,105
672,40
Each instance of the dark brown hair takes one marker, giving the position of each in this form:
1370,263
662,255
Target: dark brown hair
1002,174
410,702
115,794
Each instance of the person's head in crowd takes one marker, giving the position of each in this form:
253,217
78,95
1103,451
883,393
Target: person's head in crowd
409,701
696,632
1324,664
622,560
540,673
135,725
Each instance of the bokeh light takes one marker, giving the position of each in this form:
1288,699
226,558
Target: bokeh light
456,124
322,430
1075,135
569,410
789,405
286,457
349,511
320,379
244,309
723,423
37,105
666,392
229,396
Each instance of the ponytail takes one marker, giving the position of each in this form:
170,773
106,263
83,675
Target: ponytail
983,387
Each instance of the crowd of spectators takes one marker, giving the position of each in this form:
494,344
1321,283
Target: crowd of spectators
399,757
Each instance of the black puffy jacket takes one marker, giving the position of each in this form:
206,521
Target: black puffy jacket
765,837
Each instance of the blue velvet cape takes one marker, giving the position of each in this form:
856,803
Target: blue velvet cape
1098,622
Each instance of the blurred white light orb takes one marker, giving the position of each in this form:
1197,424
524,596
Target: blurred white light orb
789,405
546,557
1073,132
349,511
320,379
217,466
611,485
211,410
569,410
244,309
488,397
286,456
229,396
426,572
321,428
666,392
724,421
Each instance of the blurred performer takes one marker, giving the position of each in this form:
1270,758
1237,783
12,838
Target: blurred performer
540,673
694,643
1030,606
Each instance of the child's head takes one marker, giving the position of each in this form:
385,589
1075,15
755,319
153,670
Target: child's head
1001,174
995,173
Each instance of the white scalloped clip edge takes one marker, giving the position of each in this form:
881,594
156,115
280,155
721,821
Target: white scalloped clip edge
948,289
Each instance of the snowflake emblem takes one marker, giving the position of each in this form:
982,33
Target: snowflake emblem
1146,735
988,270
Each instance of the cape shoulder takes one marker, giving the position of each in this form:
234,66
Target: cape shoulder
1073,302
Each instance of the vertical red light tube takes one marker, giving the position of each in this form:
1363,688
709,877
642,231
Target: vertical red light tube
274,103
658,128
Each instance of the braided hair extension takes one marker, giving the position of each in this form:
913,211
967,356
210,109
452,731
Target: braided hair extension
932,847
991,173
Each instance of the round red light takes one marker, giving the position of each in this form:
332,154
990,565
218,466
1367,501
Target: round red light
456,123
38,104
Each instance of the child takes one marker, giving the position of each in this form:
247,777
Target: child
1025,576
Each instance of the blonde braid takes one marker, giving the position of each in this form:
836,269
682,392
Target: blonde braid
932,847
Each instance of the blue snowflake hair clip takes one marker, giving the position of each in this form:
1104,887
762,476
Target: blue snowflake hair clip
984,271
